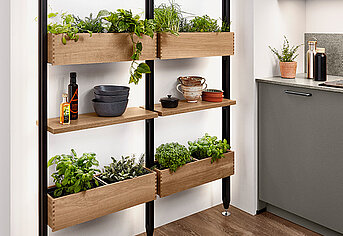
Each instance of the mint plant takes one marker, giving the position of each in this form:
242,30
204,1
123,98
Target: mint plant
208,146
172,156
126,168
74,174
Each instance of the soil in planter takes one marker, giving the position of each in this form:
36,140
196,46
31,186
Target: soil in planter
145,172
51,190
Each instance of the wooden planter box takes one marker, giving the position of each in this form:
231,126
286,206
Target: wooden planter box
194,174
188,45
100,48
77,208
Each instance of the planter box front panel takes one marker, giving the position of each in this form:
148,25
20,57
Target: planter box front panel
100,48
194,174
88,205
188,45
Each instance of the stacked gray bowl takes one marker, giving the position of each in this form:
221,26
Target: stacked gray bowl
110,100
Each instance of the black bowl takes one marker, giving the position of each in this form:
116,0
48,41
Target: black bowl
111,90
109,109
105,98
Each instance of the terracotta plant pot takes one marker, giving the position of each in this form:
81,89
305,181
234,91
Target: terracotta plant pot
212,95
288,69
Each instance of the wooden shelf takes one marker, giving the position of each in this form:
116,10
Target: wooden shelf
91,120
100,48
185,107
195,44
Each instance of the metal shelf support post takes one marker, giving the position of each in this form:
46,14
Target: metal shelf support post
149,125
226,110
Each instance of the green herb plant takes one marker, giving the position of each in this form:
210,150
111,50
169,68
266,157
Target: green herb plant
126,168
200,24
67,27
123,21
168,18
208,146
90,24
172,156
288,53
74,174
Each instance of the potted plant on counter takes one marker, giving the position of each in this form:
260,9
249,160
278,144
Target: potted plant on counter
288,65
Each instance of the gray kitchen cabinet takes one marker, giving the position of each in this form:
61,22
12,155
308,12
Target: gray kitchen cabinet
301,152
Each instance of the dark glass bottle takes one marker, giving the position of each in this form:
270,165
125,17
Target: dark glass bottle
73,97
320,65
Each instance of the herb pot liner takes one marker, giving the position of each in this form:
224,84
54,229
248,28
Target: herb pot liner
80,207
100,48
195,44
194,174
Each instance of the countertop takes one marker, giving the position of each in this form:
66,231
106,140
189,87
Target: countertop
302,82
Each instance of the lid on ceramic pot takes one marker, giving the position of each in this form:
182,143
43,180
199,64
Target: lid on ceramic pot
169,98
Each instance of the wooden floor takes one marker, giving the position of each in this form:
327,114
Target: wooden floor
211,222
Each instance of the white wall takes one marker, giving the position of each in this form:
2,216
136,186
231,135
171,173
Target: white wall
273,20
324,16
128,138
24,111
5,118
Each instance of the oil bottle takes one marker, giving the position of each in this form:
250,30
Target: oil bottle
65,110
73,98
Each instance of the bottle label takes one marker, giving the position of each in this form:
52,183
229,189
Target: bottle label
74,103
66,114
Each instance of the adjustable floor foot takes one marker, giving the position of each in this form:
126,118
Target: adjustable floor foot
226,212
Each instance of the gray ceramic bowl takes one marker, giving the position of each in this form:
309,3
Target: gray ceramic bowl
111,90
109,109
104,98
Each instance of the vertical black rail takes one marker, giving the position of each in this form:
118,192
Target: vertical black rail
42,117
149,125
226,110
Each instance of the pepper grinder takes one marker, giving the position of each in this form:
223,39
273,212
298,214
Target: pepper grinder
311,53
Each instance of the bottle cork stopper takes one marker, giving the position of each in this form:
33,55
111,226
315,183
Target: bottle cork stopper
64,95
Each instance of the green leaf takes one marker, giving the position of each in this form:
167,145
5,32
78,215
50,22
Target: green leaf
143,68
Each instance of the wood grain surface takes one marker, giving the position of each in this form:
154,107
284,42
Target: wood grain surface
195,44
185,107
211,223
88,205
194,174
92,120
100,48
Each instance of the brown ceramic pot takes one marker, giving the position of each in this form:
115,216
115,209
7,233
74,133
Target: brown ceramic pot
212,95
191,80
288,69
